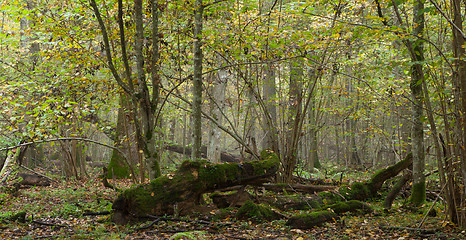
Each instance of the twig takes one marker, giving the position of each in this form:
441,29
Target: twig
40,174
432,206
420,230
149,225
96,213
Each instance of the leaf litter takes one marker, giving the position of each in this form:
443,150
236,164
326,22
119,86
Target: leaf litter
70,210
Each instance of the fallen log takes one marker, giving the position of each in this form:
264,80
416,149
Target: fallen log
33,180
378,179
387,204
369,189
327,213
291,188
181,192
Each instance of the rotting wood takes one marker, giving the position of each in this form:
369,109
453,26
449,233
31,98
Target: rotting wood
181,192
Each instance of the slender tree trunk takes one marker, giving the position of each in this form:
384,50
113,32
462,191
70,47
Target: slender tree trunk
418,192
460,78
352,154
197,81
294,117
270,140
313,160
251,116
125,140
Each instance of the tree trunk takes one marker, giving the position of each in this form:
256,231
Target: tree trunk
144,104
460,78
270,139
294,117
418,193
216,108
313,161
197,81
125,140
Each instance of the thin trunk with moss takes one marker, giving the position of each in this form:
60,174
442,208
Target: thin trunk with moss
197,81
418,192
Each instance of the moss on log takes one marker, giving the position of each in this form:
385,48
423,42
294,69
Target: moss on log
299,202
378,179
256,212
310,220
387,204
353,206
182,192
317,218
369,189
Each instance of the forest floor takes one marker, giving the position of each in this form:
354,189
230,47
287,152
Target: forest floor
59,212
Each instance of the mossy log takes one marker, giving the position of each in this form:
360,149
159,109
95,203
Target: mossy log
310,220
299,202
369,189
378,179
353,206
181,192
256,212
328,213
387,204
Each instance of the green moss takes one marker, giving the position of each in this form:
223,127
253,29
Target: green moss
330,197
418,194
310,220
218,173
256,212
145,195
194,235
354,206
357,191
266,153
270,161
117,167
376,180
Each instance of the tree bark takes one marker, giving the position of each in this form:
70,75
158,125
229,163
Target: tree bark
459,76
418,193
294,118
126,141
197,81
387,204
270,112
